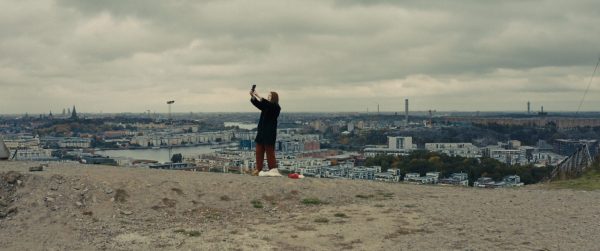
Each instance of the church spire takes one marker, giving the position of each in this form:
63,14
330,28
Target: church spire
74,113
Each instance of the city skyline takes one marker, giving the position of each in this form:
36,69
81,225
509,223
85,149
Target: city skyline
321,56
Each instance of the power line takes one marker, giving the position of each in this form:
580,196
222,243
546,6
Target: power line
588,87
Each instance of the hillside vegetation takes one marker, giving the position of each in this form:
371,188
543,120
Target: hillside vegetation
590,180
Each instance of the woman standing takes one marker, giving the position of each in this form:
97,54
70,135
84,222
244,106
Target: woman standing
266,132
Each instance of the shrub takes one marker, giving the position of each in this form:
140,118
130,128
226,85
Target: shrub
311,201
321,220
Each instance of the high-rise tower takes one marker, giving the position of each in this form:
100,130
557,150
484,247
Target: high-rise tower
406,112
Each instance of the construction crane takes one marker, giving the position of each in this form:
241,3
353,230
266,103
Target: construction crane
430,122
588,87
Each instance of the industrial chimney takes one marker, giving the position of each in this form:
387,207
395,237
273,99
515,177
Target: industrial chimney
406,112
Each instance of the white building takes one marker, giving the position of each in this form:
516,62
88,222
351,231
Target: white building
397,146
73,142
32,154
23,142
392,175
456,179
403,143
372,152
467,150
508,156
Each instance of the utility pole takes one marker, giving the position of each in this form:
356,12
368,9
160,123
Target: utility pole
170,102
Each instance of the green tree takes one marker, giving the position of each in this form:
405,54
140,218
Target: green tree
177,158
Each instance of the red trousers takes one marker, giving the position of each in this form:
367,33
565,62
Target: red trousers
260,156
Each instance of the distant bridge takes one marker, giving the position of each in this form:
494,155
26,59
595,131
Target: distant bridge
574,165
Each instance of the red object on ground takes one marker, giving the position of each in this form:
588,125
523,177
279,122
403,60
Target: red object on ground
293,176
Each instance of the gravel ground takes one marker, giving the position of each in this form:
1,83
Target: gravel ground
81,207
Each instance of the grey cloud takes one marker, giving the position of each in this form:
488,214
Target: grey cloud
365,50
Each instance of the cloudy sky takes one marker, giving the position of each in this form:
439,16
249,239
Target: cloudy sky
320,55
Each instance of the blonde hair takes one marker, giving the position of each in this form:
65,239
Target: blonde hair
274,97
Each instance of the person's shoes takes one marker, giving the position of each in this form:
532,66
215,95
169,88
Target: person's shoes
273,173
263,173
295,176
255,172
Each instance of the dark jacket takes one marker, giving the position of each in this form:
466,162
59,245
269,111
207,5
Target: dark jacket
267,125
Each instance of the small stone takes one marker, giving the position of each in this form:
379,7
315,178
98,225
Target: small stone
36,168
127,212
19,182
11,177
108,191
79,204
49,199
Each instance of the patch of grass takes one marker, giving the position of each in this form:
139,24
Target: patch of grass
272,199
341,215
257,204
312,201
589,181
169,202
192,233
225,198
379,205
388,195
213,215
385,194
321,220
362,196
305,228
410,206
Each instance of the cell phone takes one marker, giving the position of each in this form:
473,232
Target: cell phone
253,87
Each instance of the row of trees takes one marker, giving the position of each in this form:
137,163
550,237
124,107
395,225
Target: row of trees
424,161
530,135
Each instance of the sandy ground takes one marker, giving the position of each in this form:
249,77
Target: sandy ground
77,207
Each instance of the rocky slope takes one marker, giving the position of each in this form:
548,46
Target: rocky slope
77,207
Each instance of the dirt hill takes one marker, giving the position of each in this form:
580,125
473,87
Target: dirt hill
82,207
